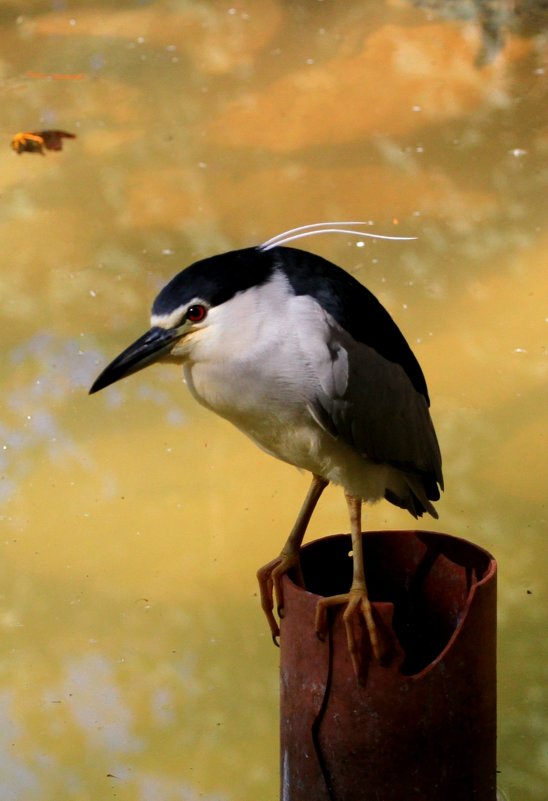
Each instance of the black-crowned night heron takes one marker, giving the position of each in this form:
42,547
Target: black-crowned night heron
303,359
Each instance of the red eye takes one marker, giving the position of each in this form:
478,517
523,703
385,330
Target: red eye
196,313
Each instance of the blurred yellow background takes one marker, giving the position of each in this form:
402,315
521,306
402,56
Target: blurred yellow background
135,661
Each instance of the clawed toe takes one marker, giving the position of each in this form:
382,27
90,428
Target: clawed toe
357,605
271,589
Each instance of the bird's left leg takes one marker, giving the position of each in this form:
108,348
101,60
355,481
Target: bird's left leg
270,576
356,600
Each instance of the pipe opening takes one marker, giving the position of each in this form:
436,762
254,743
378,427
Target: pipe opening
428,578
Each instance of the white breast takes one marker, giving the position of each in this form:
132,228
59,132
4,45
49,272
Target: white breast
251,360
262,358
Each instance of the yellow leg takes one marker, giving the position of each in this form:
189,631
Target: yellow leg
270,576
357,599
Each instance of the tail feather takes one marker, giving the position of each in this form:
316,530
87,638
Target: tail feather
411,494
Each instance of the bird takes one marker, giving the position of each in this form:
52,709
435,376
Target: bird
36,141
303,359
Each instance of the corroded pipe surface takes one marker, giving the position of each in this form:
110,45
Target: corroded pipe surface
422,726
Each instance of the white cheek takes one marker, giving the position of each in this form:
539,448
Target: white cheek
241,328
181,350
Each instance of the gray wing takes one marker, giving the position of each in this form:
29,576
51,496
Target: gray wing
371,403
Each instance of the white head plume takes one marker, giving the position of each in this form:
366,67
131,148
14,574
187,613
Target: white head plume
324,228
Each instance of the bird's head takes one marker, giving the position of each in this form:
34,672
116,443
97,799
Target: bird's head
244,302
189,308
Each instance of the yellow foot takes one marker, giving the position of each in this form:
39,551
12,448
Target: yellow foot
357,603
270,585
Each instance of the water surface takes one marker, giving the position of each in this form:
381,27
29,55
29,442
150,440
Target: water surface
135,660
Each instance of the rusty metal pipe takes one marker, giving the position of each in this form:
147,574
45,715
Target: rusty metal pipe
421,727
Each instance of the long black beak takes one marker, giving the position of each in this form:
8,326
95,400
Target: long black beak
145,350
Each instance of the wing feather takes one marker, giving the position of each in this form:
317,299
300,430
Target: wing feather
370,402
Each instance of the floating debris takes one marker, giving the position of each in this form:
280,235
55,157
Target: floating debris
36,141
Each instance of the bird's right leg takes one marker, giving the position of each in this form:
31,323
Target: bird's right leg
356,600
270,576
